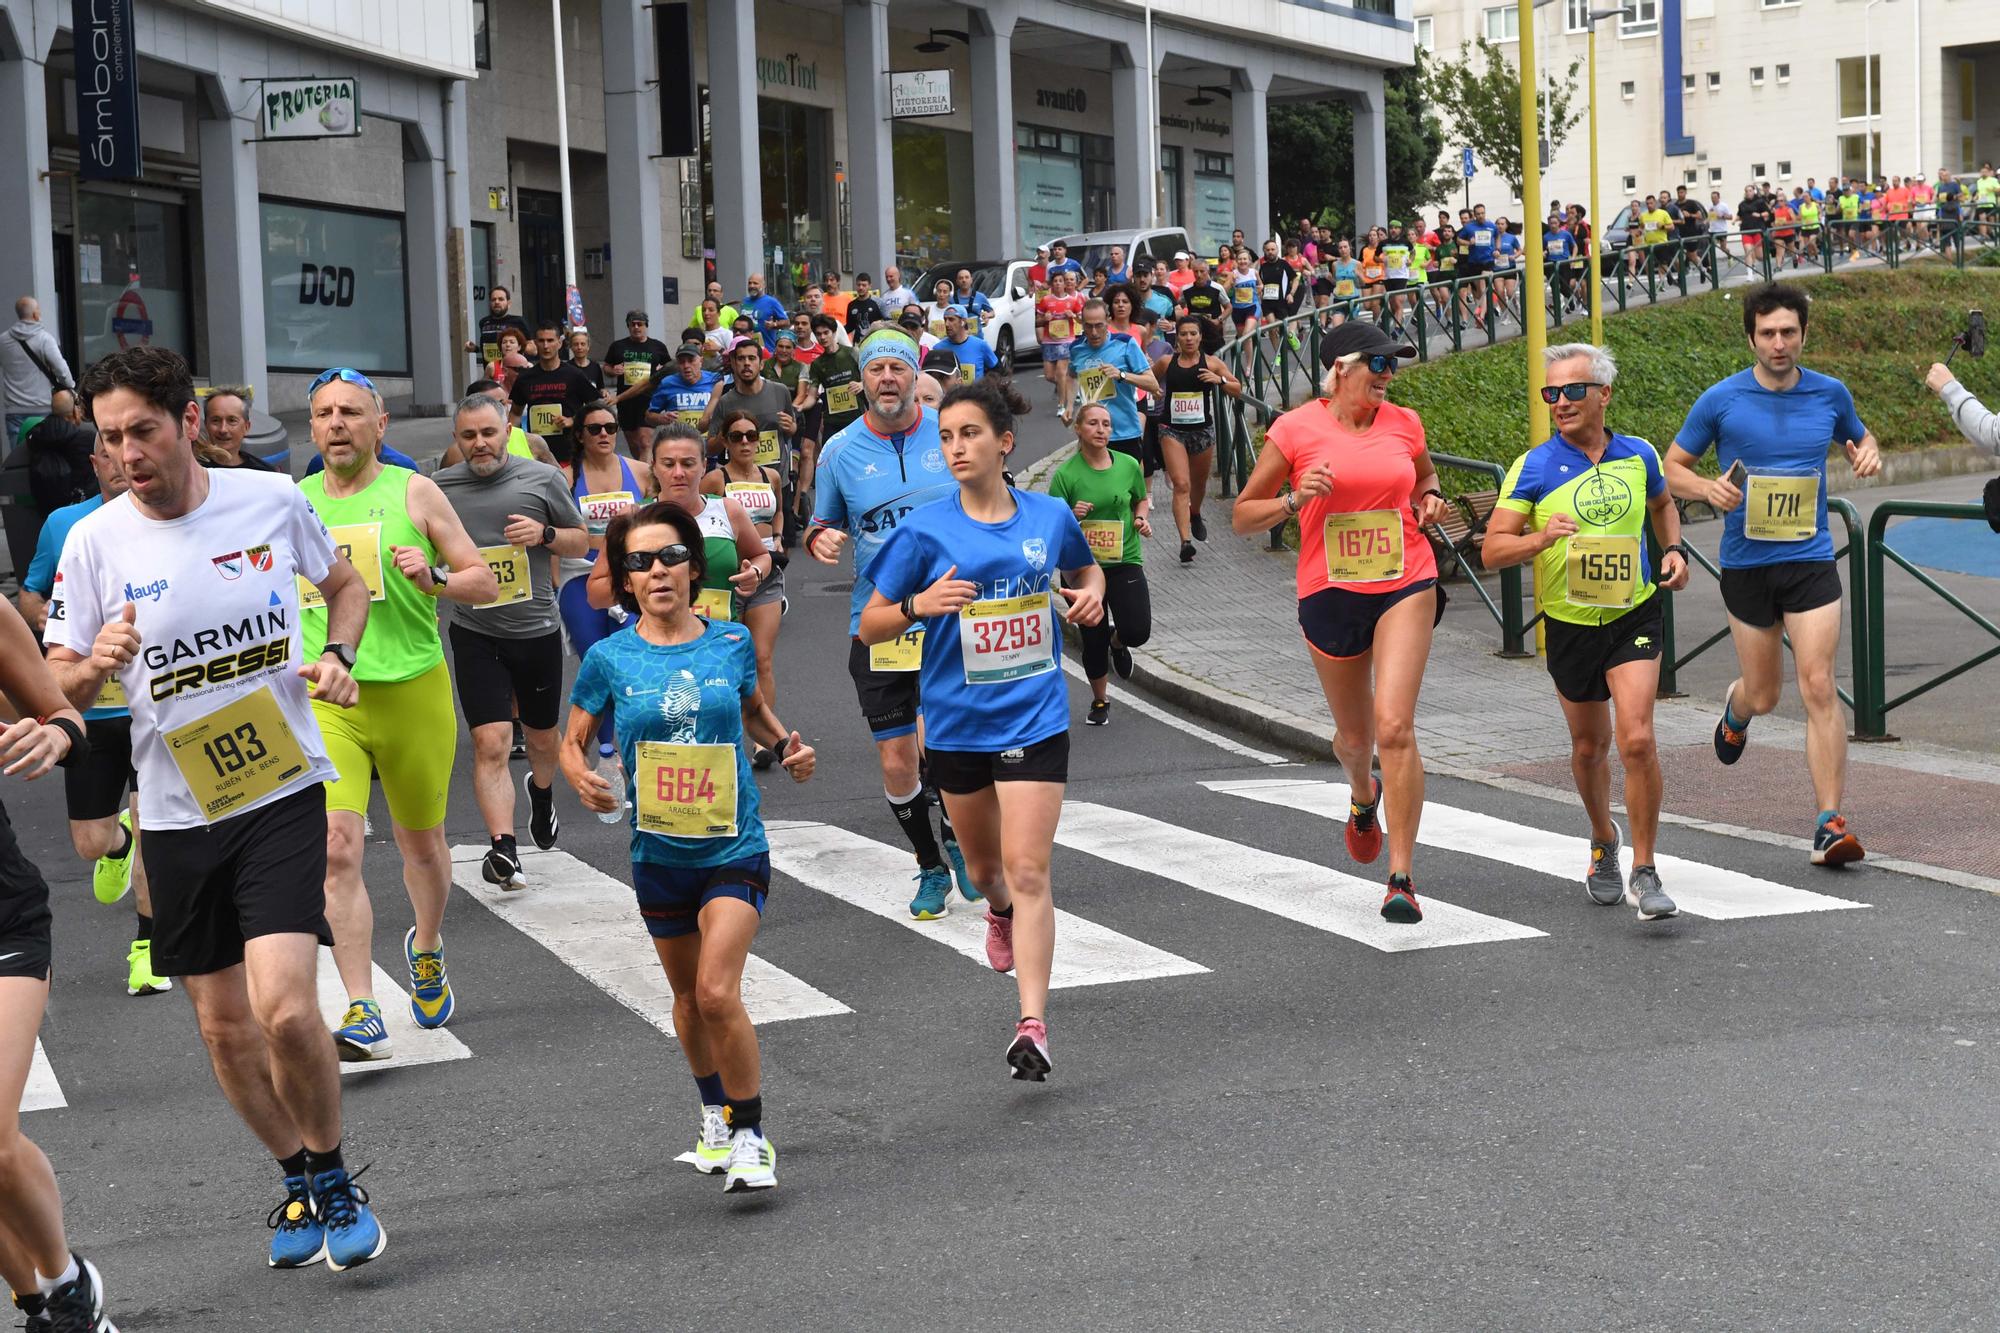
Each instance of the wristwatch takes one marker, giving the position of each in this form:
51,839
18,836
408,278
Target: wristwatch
341,651
548,534
440,574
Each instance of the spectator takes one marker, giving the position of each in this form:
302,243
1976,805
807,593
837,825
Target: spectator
31,368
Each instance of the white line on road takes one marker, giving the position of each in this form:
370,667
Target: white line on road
590,921
1703,890
1128,698
1303,891
43,1093
408,1043
876,877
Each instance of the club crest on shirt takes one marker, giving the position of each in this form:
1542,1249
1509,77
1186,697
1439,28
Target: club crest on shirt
1602,499
260,558
1036,550
933,460
230,565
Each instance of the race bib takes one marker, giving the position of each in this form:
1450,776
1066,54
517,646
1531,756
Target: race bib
1781,508
967,372
491,351
714,603
1106,539
237,755
1602,570
759,500
689,416
768,452
1187,407
361,543
111,694
1006,638
903,653
545,418
510,569
600,509
937,327
842,398
1364,548
1060,330
1272,291
686,791
1344,287
1095,384
637,372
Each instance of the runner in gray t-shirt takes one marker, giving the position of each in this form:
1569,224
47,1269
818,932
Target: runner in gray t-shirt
764,398
509,653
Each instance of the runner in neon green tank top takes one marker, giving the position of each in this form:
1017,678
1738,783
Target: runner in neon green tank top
400,533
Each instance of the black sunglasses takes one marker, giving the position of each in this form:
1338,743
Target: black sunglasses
1381,363
638,562
742,435
1576,393
599,428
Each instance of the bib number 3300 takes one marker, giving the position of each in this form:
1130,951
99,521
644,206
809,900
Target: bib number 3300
1006,638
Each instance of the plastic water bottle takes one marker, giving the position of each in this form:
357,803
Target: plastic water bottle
612,771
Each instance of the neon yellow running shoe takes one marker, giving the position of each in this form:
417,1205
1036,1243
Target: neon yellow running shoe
712,1148
111,878
139,978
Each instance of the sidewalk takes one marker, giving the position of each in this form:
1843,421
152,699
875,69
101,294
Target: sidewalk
1226,646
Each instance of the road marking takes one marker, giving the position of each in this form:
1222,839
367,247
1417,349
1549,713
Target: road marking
876,877
42,1093
1702,890
588,920
1128,698
1302,891
408,1043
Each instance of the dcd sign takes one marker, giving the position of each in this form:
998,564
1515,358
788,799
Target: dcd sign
326,285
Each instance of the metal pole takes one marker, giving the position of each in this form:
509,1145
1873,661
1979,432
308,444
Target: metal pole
1596,216
1917,75
1533,294
1868,91
1152,125
562,155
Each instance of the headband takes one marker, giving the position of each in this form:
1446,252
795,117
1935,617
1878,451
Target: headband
890,343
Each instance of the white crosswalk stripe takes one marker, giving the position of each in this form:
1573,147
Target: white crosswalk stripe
42,1093
588,920
1715,892
1301,891
876,877
408,1043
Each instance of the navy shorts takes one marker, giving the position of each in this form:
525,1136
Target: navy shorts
1340,623
671,897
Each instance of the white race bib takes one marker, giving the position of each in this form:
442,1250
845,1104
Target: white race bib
1006,638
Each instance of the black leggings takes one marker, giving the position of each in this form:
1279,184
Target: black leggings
1128,608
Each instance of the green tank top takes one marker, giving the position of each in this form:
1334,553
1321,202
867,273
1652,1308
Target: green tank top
401,641
718,542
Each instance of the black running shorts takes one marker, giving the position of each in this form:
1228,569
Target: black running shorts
493,673
1760,594
1580,656
963,772
94,787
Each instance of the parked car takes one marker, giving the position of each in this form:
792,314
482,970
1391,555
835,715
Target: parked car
1092,249
1011,330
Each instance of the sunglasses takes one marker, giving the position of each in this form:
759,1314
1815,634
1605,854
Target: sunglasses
742,435
599,428
1576,393
326,377
638,562
1381,363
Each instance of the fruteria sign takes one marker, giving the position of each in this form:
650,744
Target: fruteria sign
311,108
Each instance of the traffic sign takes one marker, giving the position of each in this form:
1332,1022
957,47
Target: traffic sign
1468,164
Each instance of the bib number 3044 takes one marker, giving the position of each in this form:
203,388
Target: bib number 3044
1006,638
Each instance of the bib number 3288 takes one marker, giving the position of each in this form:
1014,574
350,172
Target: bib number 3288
1006,638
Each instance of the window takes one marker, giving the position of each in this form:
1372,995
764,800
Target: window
1689,176
1854,160
1756,76
1631,184
1784,74
1503,24
1426,33
1784,171
1756,171
482,50
1625,90
1687,84
1859,95
1644,20
1715,80
1576,15
334,289
1780,4
1715,175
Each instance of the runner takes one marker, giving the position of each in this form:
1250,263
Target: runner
977,569
101,823
637,364
549,394
1573,506
1107,493
683,396
682,692
225,425
874,475
52,1285
765,398
1055,327
230,757
975,355
1187,433
1108,370
499,317
833,382
1778,573
1246,305
1362,489
743,479
507,653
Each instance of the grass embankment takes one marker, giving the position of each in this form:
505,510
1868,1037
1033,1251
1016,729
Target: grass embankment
1877,331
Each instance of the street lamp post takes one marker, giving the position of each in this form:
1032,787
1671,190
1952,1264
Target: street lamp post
1534,295
1596,214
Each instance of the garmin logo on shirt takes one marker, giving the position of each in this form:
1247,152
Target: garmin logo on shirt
145,592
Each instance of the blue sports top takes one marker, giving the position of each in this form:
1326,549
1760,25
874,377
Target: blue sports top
1120,354
867,484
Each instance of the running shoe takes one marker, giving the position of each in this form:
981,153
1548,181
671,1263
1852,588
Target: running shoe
111,877
753,1162
139,976
1729,741
430,989
1028,1056
1399,904
362,1035
297,1238
1121,659
1833,845
960,875
519,750
35,1314
1099,714
933,887
1364,830
1199,524
1605,882
77,1306
353,1236
999,941
543,823
1646,894
711,1146
503,869
1187,553
763,758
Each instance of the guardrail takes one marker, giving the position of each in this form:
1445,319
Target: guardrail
1506,609
1872,714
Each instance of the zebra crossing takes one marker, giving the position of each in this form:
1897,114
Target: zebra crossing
585,918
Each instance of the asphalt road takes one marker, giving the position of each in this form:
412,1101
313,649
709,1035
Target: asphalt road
1567,1120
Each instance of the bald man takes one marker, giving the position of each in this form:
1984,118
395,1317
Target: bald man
31,368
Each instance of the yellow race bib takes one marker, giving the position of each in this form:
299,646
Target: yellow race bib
1364,548
1344,287
1060,330
361,544
111,694
1106,539
713,603
842,398
689,417
1006,638
545,418
1602,570
510,568
768,453
1779,508
686,791
903,653
637,372
237,755
491,351
1095,384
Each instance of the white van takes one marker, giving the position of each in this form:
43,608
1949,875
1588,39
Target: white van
1092,249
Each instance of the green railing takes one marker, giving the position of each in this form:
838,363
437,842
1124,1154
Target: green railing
1506,609
1872,714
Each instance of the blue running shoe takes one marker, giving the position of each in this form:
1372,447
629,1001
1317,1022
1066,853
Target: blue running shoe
966,889
933,887
353,1236
430,991
362,1035
297,1237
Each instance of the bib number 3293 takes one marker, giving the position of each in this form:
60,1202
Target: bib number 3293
1602,570
686,791
237,755
1006,638
1781,507
1364,548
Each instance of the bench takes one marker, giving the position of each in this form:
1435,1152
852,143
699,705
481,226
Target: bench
1458,536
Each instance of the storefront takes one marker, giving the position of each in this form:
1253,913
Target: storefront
933,168
795,151
335,292
130,260
1214,216
1064,180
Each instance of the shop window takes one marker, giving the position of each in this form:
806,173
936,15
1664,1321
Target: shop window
132,271
334,289
482,47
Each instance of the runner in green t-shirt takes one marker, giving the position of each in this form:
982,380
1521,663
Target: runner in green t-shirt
1107,492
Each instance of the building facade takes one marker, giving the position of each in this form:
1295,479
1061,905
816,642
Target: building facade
1713,94
265,260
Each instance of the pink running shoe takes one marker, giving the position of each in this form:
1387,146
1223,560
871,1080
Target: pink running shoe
1029,1055
999,941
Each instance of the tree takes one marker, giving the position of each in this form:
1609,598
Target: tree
1480,93
1314,142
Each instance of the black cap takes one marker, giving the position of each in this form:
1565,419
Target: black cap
1358,335
693,349
911,314
941,361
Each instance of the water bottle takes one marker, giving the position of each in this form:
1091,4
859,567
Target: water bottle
612,771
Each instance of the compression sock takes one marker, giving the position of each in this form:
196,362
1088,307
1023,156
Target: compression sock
145,931
1733,722
711,1089
124,848
295,1165
913,813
